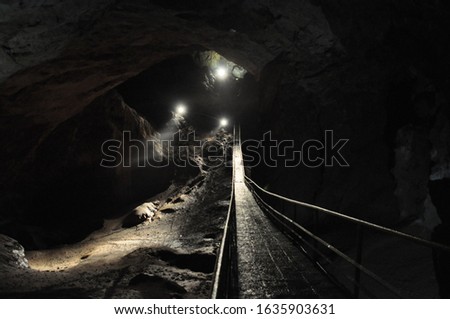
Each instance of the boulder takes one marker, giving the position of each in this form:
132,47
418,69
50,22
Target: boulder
140,214
12,254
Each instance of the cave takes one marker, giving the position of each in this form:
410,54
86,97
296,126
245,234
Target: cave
119,124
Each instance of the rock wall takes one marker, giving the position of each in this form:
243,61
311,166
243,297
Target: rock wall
321,65
64,193
385,73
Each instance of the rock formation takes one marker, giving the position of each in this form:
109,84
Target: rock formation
354,67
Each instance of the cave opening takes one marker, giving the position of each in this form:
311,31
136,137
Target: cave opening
207,85
203,90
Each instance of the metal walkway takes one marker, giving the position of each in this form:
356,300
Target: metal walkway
269,265
265,254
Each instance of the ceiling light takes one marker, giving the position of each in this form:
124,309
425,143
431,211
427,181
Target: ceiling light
181,109
222,73
223,122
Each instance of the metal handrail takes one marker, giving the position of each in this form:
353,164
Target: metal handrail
288,222
222,270
354,220
219,267
357,264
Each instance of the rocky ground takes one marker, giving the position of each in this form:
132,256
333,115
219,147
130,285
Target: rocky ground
171,254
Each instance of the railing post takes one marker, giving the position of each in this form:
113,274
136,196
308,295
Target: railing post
316,222
315,230
359,244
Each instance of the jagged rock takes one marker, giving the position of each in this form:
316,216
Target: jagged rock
12,254
156,203
139,215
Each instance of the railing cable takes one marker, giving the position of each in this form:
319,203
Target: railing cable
222,271
354,220
288,221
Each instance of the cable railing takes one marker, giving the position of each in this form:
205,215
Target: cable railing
225,275
224,282
298,232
